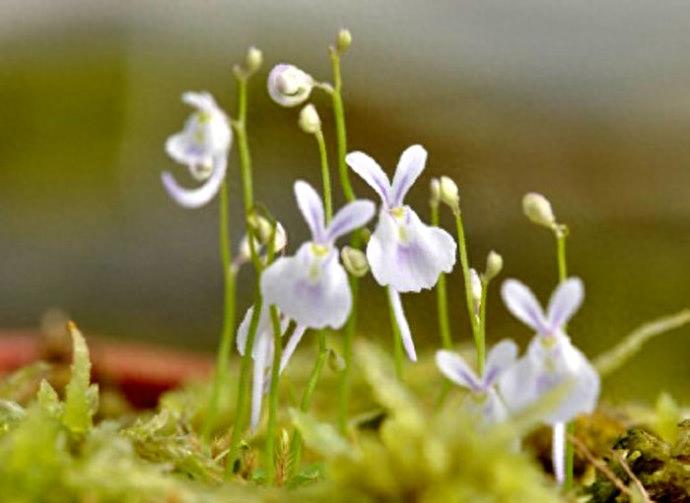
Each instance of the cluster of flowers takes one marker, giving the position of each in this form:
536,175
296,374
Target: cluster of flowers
404,255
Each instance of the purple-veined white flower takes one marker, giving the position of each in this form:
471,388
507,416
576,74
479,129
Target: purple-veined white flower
262,354
404,254
551,360
288,85
484,399
203,147
311,287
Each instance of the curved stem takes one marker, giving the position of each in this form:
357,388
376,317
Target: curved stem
227,334
464,262
341,133
441,295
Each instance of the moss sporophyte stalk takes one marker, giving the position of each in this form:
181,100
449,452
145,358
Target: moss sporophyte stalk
349,418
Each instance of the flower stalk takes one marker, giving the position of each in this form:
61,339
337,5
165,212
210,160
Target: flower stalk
441,292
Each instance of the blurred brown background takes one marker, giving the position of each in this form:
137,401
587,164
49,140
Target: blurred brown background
587,102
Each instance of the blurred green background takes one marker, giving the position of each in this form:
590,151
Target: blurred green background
587,102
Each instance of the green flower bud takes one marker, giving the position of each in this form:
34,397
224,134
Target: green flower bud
449,193
494,264
253,60
355,261
344,40
435,189
309,119
538,209
335,362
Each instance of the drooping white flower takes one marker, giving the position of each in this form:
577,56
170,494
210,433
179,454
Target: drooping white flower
551,360
203,147
311,286
484,399
288,85
404,254
262,354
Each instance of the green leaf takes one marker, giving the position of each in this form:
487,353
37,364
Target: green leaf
81,398
320,437
49,401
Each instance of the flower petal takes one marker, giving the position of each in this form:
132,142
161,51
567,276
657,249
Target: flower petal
262,359
564,302
409,168
371,172
350,217
523,304
499,359
546,368
311,206
312,290
414,263
201,100
288,85
517,385
454,367
243,330
403,326
291,346
195,198
183,150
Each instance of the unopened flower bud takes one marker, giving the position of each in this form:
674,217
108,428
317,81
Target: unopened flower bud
261,227
288,85
449,193
344,40
435,189
355,261
284,441
335,362
494,264
538,209
253,60
309,119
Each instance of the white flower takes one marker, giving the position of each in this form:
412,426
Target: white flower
311,287
551,358
288,85
262,354
203,147
404,254
484,399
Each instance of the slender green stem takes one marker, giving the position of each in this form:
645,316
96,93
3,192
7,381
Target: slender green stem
241,407
227,334
561,235
464,262
441,295
344,175
345,376
340,131
481,348
397,341
240,127
325,176
296,443
273,399
241,410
